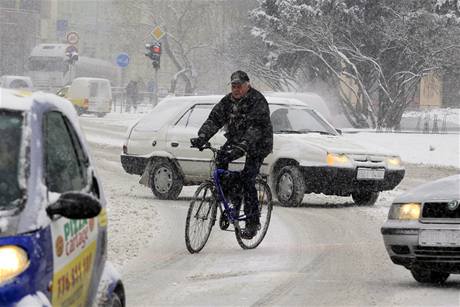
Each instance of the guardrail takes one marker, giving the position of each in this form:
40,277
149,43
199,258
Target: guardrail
445,130
424,123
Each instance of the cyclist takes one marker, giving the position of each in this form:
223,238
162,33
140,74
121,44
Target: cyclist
246,117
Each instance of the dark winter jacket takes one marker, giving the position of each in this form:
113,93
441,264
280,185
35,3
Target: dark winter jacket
246,121
132,90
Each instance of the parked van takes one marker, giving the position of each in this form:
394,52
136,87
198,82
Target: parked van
89,95
16,82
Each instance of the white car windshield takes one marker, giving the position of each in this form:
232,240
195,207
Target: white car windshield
10,148
299,120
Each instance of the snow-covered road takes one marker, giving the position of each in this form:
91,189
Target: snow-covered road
326,252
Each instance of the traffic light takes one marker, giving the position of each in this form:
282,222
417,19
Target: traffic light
72,57
154,53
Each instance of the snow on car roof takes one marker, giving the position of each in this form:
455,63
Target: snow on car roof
90,79
15,100
216,98
194,99
24,101
287,101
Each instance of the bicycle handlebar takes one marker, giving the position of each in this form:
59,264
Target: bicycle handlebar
206,146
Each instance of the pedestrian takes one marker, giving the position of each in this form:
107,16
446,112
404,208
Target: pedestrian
246,117
132,96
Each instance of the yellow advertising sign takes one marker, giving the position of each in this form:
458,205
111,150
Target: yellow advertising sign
71,283
102,218
74,253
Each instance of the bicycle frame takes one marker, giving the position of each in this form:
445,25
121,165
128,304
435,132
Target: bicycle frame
222,200
215,178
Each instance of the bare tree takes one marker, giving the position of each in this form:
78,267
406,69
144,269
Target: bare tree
196,33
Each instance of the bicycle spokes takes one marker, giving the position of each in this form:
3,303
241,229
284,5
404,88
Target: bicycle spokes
265,209
203,210
200,218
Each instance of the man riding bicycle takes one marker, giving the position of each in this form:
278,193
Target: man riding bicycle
245,114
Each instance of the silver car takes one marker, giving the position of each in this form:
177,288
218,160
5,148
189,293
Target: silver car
422,232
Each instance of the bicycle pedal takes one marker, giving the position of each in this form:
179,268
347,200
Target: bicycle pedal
223,222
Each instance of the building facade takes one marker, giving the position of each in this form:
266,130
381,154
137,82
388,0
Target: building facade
19,33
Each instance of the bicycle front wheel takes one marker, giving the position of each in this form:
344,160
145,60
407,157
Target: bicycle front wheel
265,209
201,217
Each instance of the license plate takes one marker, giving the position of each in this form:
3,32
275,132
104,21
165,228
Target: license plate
370,173
439,237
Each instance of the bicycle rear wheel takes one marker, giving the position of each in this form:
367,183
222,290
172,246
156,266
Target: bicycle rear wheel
265,209
201,217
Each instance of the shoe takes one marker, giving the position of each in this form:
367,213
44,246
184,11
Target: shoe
250,231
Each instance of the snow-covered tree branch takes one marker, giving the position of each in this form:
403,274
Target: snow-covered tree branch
376,51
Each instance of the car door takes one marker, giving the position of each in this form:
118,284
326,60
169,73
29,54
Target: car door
76,256
193,162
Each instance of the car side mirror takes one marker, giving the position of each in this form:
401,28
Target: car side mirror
75,206
339,131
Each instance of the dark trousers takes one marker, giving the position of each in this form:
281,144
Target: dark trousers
246,181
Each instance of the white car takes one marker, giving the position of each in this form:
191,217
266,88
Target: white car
309,155
422,232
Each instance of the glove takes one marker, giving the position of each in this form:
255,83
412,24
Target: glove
229,154
198,142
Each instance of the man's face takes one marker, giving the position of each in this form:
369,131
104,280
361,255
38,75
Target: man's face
239,89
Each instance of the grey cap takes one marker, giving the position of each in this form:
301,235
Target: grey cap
239,77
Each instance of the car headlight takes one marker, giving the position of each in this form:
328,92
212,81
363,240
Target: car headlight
410,211
394,161
13,261
337,159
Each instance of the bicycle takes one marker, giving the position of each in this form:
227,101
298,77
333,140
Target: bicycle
209,196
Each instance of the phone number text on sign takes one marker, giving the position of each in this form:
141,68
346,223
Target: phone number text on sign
70,285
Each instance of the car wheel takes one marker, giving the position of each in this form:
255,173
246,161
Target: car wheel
290,186
365,198
427,276
165,181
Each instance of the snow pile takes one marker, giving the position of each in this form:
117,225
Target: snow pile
430,149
